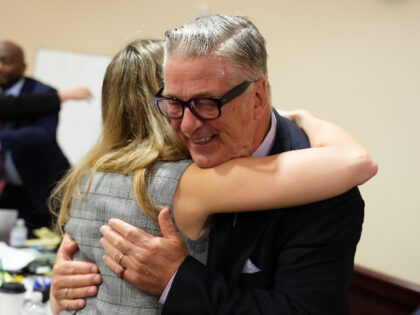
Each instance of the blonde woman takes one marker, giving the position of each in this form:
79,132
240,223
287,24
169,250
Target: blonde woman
140,165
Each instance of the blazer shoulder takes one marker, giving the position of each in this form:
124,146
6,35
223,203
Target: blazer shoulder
33,86
288,136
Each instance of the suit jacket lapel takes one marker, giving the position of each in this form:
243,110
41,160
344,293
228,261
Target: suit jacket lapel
282,140
27,87
220,232
251,225
246,233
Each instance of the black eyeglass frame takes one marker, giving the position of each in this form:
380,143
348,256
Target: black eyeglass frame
219,100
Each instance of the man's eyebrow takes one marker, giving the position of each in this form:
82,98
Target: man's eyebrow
206,94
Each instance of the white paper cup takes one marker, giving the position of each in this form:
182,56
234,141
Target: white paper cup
12,295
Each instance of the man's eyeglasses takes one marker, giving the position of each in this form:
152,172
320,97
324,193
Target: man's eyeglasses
204,108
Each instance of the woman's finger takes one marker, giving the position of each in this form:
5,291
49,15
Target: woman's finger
72,304
76,281
77,293
74,268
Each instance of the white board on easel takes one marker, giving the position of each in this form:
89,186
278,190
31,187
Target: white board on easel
80,121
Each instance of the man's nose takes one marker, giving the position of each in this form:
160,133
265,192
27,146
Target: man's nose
190,122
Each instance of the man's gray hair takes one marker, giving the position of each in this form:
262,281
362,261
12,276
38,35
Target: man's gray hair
232,37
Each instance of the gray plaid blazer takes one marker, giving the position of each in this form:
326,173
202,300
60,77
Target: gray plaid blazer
112,196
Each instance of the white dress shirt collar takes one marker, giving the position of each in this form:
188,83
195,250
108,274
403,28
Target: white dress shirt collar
15,89
265,146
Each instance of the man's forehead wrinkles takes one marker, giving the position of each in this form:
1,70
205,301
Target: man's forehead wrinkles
196,77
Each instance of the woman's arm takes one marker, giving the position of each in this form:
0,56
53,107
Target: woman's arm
335,163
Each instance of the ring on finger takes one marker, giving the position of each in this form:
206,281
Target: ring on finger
65,292
119,259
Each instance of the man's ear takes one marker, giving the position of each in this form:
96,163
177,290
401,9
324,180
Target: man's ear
261,98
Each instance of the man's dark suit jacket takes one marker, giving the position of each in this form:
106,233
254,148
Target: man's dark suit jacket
305,255
37,157
28,106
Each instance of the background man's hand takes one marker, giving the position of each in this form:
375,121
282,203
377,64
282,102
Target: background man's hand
80,279
150,261
77,93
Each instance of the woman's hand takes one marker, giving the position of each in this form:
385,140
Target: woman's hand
72,281
295,115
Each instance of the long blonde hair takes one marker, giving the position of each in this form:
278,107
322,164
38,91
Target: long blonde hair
134,133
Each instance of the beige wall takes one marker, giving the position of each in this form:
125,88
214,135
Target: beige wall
356,62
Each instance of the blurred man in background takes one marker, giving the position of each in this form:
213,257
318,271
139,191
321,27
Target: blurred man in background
31,161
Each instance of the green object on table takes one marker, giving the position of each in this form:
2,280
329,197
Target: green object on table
46,239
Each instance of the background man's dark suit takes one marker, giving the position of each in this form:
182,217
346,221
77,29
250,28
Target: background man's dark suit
305,255
28,106
38,160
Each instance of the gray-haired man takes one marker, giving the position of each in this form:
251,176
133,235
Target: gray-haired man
294,261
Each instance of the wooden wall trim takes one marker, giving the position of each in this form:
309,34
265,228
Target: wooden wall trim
373,292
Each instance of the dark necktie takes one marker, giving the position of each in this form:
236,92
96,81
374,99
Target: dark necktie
221,230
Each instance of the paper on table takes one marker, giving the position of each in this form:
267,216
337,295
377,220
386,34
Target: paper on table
15,259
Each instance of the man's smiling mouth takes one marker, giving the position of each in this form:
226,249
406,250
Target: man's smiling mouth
203,140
